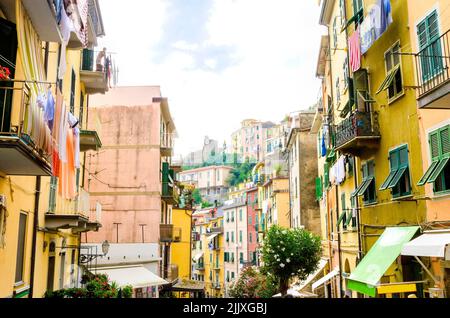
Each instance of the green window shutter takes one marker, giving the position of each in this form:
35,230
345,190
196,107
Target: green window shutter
326,175
444,141
434,145
344,211
439,168
428,173
394,162
341,217
318,188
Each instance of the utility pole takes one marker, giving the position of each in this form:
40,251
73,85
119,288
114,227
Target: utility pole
142,230
117,231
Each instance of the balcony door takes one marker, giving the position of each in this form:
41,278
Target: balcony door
8,51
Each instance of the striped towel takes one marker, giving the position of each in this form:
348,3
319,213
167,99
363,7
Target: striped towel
354,51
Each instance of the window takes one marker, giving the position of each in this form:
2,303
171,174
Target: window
232,275
72,92
21,247
296,194
335,32
367,185
240,215
240,236
393,80
80,117
346,74
343,216
342,11
241,257
250,237
228,236
398,179
429,46
250,220
232,237
319,191
338,93
357,6
439,171
52,194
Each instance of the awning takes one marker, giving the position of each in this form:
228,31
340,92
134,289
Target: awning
326,278
322,264
383,253
428,244
212,236
198,256
136,276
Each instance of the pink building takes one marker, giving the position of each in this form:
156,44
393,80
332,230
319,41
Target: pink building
252,221
131,175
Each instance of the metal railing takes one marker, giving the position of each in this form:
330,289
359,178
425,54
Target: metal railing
358,124
432,64
14,106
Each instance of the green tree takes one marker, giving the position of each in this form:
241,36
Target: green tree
240,173
289,253
196,196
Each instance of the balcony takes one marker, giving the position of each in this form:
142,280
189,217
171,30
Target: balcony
171,272
218,229
20,154
89,140
75,215
216,266
200,266
167,143
169,191
216,285
358,133
94,27
94,77
42,14
433,74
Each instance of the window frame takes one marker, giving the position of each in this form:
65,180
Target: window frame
405,174
23,246
389,52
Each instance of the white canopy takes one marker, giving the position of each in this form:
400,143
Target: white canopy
428,244
326,278
322,263
197,256
212,236
136,276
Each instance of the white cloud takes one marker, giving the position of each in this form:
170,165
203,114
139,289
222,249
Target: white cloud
275,45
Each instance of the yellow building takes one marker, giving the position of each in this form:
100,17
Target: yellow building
372,156
275,201
181,252
39,250
214,256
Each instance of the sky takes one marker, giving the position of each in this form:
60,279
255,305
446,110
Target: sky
217,61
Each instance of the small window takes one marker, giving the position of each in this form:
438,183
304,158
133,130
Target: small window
338,93
240,236
367,185
398,179
393,82
20,257
335,32
430,46
439,171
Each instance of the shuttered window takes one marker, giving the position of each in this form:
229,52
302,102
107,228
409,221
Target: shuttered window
429,46
393,81
398,179
439,170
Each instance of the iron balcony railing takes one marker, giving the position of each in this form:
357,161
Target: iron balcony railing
358,124
14,107
432,64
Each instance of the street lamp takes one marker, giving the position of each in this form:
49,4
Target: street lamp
105,247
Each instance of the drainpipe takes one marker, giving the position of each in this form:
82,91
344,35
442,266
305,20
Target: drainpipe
35,226
339,244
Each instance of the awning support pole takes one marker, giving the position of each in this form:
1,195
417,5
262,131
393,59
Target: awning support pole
426,269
